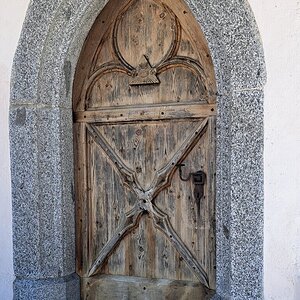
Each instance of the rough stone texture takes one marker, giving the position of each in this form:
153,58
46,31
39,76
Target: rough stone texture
240,195
54,289
41,142
223,210
43,212
25,182
246,228
70,28
25,74
234,40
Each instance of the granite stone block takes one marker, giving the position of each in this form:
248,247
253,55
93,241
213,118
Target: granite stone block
239,206
246,229
43,206
67,288
69,29
223,195
25,192
234,41
27,60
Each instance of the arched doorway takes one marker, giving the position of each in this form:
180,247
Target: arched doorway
41,142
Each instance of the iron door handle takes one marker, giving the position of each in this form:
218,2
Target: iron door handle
199,179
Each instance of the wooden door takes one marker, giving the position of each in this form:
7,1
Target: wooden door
144,106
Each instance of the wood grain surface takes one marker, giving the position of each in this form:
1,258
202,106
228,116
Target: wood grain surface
144,101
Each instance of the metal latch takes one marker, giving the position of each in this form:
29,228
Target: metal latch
199,179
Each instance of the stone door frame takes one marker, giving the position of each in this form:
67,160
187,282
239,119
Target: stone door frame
42,148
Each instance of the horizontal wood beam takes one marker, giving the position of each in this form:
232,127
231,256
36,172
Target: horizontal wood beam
161,112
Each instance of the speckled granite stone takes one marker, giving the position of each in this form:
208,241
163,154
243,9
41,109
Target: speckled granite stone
43,208
48,289
246,228
41,141
223,210
234,40
240,196
69,29
25,190
25,73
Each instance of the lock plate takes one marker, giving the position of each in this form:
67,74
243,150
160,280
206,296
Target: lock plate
199,179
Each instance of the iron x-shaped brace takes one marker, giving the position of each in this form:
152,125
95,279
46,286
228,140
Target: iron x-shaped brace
145,202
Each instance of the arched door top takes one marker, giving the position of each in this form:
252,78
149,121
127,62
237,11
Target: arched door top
41,144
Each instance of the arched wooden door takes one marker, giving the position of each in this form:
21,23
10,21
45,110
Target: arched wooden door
144,114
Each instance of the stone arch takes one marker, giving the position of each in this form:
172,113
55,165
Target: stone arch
41,145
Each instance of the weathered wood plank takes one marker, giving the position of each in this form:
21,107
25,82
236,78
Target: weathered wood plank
81,193
146,113
137,288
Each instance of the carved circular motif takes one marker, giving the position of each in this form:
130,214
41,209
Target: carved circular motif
134,38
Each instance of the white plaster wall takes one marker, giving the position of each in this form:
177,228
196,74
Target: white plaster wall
12,15
279,24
